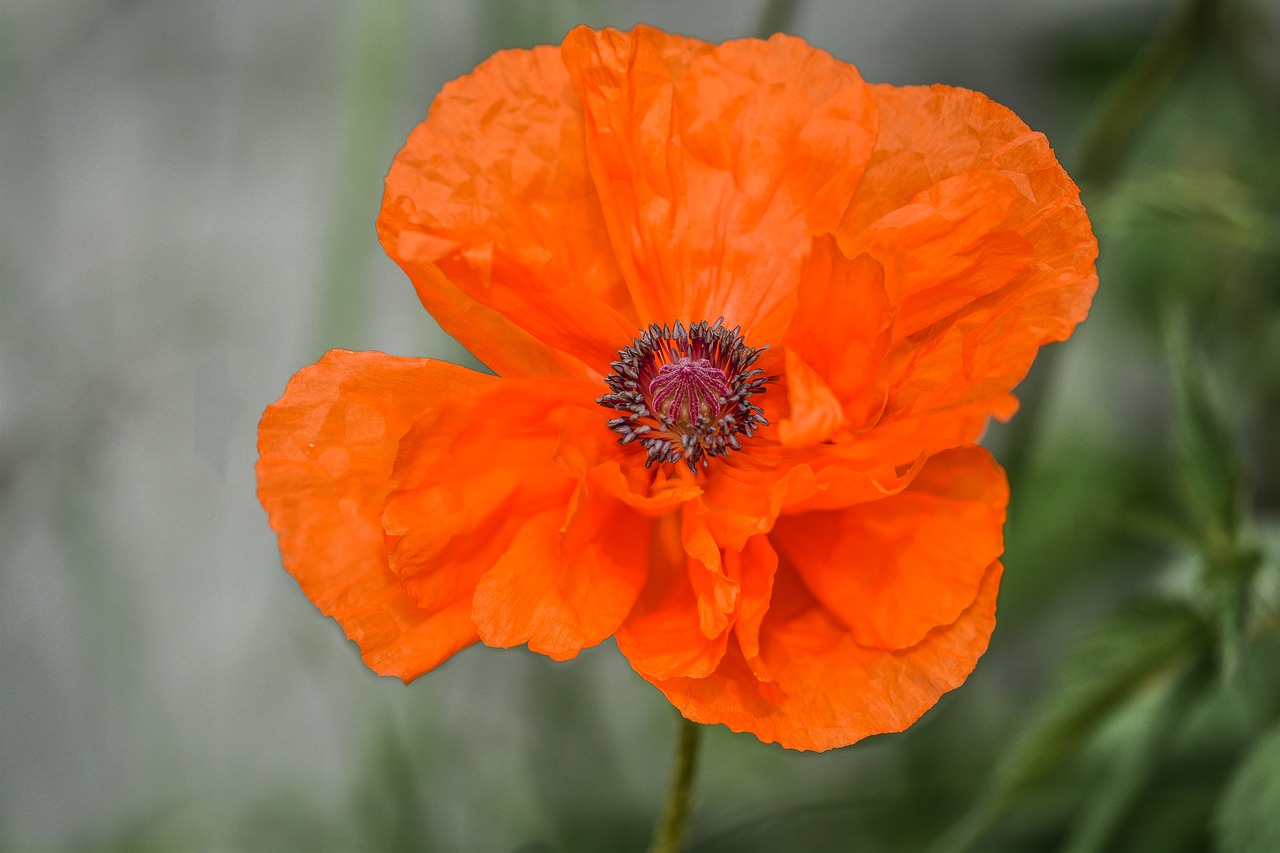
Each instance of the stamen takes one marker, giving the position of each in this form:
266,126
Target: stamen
686,393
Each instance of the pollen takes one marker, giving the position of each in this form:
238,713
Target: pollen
685,393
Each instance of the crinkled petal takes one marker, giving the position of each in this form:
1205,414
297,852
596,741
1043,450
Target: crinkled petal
651,491
746,492
326,451
715,166
753,568
894,569
843,319
490,504
716,592
826,690
987,246
816,412
664,636
466,480
904,437
947,247
499,343
836,346
493,190
563,587
695,594
927,134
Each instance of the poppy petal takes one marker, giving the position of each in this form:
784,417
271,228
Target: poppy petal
947,247
493,189
563,587
490,503
894,569
753,568
827,690
843,477
464,482
652,491
991,251
325,456
500,344
927,134
836,345
664,635
749,491
716,592
882,460
816,413
715,166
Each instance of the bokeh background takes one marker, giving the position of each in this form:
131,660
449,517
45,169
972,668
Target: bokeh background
187,197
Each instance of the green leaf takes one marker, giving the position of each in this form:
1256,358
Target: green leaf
1248,819
1229,580
1134,647
1136,759
1211,473
1213,482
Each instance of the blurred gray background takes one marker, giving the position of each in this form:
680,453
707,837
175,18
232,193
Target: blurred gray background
187,196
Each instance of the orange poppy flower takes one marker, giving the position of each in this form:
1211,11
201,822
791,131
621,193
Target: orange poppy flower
748,314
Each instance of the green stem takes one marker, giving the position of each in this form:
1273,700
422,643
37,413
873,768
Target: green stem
669,835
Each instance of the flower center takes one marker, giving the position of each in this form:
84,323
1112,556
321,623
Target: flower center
686,393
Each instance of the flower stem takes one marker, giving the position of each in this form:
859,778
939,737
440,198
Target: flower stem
669,835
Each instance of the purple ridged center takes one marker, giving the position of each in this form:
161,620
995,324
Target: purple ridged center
684,393
688,388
